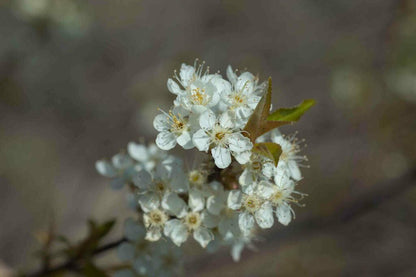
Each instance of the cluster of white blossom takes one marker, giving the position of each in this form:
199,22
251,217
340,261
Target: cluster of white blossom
145,258
228,196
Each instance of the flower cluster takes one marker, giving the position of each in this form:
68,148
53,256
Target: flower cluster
209,113
245,180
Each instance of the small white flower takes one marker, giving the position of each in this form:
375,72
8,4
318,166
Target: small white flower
242,98
290,158
219,135
253,208
174,129
191,221
154,219
280,195
258,168
120,169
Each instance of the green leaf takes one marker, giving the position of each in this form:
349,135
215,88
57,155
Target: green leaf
291,114
270,150
257,124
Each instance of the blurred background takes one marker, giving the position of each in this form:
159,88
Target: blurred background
80,79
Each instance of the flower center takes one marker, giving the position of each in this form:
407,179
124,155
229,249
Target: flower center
178,125
157,217
160,187
219,136
198,96
277,197
193,220
196,177
252,203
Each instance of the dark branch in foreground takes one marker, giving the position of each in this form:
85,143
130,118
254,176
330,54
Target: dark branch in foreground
73,264
346,212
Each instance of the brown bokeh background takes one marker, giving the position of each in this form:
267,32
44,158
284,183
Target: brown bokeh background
80,79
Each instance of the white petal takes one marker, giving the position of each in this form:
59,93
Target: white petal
153,234
221,85
142,179
196,200
215,98
253,100
175,205
173,87
169,226
284,214
201,140
264,216
281,177
161,123
244,112
203,236
267,169
266,189
215,204
236,250
231,75
222,156
105,168
246,178
166,140
245,222
138,151
294,170
242,157
177,231
149,201
234,199
186,73
207,120
245,83
239,143
226,120
198,109
185,140
121,161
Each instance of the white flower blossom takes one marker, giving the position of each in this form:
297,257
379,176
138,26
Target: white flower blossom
289,159
120,169
219,135
280,195
192,221
241,98
174,129
258,168
253,208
